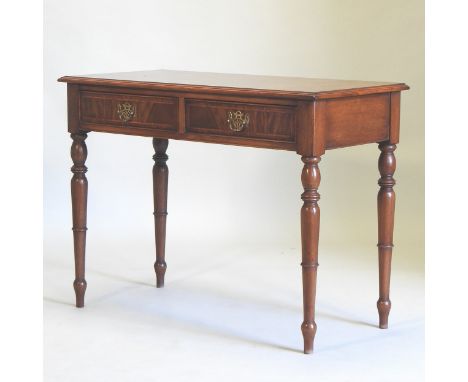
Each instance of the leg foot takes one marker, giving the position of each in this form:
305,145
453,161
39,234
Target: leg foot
160,270
308,332
80,289
383,306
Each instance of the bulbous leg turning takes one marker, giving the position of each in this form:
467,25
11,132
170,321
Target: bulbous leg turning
79,193
385,212
310,224
160,182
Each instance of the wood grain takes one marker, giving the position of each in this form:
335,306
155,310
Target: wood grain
310,227
73,105
160,183
386,212
150,111
79,194
223,83
306,127
356,120
304,115
394,134
285,123
271,122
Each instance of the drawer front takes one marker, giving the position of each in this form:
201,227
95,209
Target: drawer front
248,120
152,112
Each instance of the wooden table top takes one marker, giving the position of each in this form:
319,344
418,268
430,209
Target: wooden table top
235,83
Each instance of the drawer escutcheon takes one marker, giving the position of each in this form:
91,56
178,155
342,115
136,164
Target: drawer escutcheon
126,111
237,120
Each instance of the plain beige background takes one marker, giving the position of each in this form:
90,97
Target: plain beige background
224,198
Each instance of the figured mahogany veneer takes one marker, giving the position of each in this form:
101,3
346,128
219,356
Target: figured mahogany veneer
356,120
149,112
268,122
304,115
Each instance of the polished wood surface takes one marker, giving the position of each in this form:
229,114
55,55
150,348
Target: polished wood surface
310,226
271,122
305,127
349,123
386,212
237,83
79,194
150,112
308,116
160,184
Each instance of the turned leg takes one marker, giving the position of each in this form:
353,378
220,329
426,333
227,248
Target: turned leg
386,211
310,222
160,175
79,193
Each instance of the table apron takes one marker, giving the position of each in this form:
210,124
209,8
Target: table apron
308,127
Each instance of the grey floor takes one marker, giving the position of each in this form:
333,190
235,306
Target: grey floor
229,313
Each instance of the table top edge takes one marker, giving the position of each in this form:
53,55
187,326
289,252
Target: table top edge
184,87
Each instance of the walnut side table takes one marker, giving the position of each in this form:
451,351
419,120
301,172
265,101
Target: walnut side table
305,115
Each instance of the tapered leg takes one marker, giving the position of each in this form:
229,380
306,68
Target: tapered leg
79,193
160,178
385,211
310,224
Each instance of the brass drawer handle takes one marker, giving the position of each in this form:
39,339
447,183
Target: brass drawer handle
238,120
126,111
